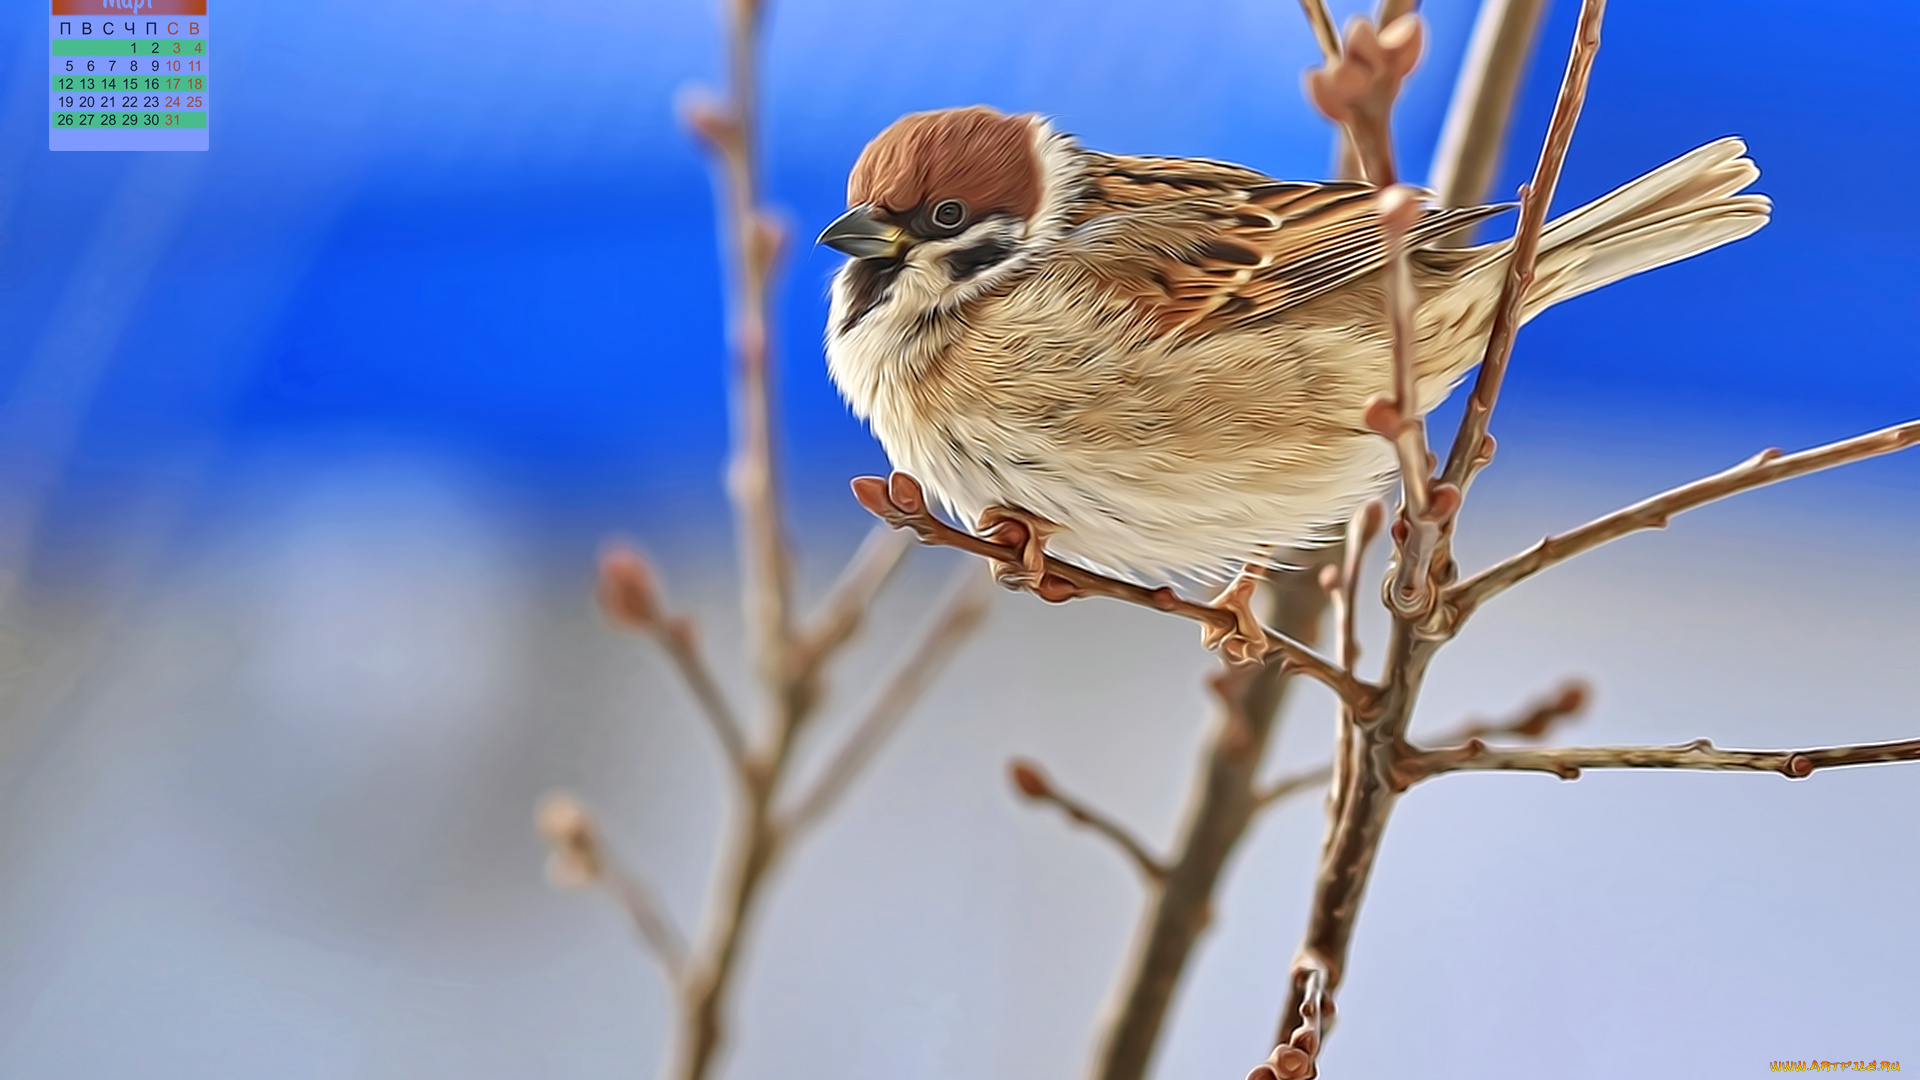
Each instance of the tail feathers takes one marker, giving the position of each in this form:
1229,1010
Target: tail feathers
1687,206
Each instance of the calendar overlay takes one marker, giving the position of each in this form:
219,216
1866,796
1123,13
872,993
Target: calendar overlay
128,75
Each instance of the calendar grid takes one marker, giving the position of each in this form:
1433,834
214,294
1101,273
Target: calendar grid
128,75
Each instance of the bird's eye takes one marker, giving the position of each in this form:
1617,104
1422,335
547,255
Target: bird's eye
950,213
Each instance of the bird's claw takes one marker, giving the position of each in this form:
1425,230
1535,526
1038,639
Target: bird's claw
1246,642
1019,529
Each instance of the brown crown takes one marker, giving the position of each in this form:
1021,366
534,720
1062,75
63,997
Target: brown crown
976,154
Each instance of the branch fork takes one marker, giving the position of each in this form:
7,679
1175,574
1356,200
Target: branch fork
790,657
1427,507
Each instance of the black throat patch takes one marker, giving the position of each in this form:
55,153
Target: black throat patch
868,281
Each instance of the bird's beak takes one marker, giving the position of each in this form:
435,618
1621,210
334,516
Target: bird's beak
858,234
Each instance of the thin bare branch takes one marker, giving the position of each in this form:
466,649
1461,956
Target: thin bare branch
1342,581
649,918
956,617
1298,1058
1357,86
1389,10
1362,790
1346,159
851,597
752,843
1288,786
1534,721
1766,467
1032,782
1324,33
1471,449
680,641
901,503
1424,505
754,239
579,860
630,595
1567,762
1475,131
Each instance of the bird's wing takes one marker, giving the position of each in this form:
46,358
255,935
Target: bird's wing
1201,246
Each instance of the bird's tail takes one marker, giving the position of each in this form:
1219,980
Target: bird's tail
1687,206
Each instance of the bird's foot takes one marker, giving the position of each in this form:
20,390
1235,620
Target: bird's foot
1019,529
1246,642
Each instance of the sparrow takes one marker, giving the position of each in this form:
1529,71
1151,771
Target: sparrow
1157,367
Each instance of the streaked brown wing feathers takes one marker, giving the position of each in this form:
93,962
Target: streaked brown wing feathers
1236,247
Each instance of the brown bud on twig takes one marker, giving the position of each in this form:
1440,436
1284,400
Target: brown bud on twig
906,493
1383,417
769,240
629,592
1399,209
1330,578
566,827
871,493
1367,76
1571,701
1028,779
1285,1063
1357,88
716,124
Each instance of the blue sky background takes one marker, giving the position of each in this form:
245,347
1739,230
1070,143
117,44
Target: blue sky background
306,444
473,230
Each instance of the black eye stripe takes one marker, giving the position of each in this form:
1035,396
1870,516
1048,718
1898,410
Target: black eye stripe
969,261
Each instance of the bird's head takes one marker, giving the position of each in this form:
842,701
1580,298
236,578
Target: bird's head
951,193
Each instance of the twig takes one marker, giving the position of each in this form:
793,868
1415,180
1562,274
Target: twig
1475,130
1357,86
1532,722
579,860
1767,467
630,596
901,503
1363,788
1288,786
1361,529
730,131
851,597
1298,1057
1346,159
649,918
753,842
1471,449
1321,20
1424,505
956,617
1390,10
1032,782
1342,581
1567,762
